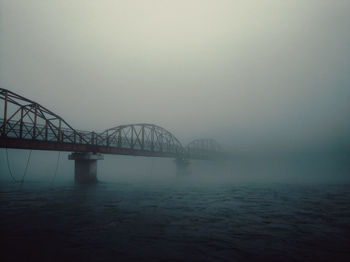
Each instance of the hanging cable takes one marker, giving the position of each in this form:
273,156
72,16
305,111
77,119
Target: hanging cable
26,169
8,166
58,160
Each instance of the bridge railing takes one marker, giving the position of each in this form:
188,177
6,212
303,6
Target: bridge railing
24,119
128,143
26,130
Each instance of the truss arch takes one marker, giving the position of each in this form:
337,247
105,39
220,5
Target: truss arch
142,136
25,119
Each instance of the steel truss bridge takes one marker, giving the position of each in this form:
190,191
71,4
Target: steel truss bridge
25,124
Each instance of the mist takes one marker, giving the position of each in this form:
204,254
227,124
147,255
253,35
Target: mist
292,167
263,78
252,74
264,83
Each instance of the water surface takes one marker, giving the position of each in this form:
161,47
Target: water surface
174,221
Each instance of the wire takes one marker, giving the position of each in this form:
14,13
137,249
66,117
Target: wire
8,166
58,160
26,169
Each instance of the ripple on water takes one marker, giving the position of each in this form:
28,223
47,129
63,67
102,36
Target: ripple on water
176,223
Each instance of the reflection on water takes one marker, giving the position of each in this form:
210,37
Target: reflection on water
175,222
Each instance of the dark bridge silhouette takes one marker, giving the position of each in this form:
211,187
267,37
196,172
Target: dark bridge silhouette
25,124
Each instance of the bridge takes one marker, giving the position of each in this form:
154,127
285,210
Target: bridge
26,124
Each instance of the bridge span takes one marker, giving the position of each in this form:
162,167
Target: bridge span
25,124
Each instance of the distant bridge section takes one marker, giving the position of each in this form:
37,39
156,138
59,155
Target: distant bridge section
203,149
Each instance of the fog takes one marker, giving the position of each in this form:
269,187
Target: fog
268,79
294,168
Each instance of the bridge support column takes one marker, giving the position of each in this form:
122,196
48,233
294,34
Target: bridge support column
85,167
182,166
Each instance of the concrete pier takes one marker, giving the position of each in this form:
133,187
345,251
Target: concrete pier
85,166
182,166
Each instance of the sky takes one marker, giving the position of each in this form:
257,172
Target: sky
251,74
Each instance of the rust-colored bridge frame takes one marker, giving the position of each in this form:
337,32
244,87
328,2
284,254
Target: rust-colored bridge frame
25,124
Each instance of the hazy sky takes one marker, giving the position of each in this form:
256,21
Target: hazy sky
249,73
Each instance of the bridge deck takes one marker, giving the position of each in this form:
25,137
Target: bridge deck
28,125
61,146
